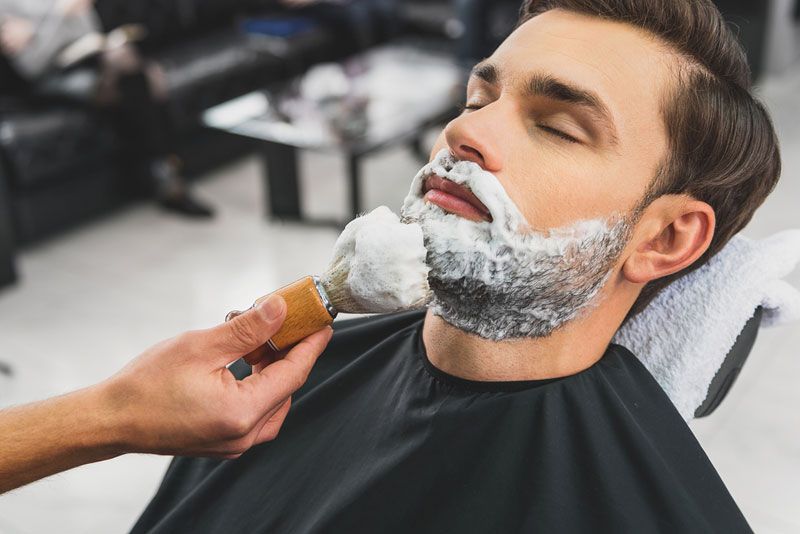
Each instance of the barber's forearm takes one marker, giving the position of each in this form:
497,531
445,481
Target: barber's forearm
44,438
176,398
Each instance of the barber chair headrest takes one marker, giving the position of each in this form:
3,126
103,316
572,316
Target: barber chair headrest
697,332
732,365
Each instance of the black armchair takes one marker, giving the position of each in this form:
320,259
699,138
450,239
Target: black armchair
8,272
61,164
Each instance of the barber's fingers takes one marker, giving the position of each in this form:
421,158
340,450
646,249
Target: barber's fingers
279,380
261,357
269,428
244,333
264,356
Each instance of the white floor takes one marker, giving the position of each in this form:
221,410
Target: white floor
93,299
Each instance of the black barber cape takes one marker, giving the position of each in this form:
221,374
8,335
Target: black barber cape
380,441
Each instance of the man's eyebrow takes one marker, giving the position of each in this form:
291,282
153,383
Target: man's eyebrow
541,84
547,86
487,72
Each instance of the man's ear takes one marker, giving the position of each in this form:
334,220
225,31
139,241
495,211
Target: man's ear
673,233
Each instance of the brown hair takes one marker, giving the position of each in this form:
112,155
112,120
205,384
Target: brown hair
722,146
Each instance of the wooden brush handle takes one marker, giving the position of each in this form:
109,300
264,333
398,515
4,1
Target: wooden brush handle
305,313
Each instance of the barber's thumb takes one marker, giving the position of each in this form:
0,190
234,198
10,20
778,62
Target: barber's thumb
253,328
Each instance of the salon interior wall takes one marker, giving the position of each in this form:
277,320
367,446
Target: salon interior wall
783,36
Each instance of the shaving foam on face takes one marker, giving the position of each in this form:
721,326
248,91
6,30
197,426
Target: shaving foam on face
380,262
501,279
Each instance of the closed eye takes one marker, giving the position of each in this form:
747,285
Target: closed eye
558,133
549,129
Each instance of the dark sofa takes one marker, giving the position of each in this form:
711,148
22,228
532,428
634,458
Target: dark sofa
60,164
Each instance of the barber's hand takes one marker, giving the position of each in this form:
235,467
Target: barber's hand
179,398
15,34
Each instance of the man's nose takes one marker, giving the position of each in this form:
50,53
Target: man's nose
470,137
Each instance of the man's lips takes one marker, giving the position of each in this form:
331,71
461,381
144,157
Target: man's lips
454,198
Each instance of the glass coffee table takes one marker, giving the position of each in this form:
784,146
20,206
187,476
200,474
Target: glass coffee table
379,99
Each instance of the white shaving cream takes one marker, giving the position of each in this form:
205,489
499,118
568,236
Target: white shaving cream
380,262
501,279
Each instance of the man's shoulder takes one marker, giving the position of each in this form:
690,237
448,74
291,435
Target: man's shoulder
628,420
624,391
635,388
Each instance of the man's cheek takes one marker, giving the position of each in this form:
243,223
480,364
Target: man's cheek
548,202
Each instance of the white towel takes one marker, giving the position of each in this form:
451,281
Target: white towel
684,334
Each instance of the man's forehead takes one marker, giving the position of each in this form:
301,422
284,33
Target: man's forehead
623,65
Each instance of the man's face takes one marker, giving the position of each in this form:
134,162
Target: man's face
532,193
566,115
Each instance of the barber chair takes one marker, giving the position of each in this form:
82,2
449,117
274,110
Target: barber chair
8,271
731,367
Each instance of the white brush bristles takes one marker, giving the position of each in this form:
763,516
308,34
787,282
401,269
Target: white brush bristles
378,266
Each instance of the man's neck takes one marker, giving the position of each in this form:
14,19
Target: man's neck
572,348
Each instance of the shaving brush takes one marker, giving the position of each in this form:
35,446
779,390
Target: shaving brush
378,266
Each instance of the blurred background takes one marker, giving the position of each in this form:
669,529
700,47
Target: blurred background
165,161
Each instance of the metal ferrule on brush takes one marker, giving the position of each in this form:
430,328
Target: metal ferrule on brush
324,296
